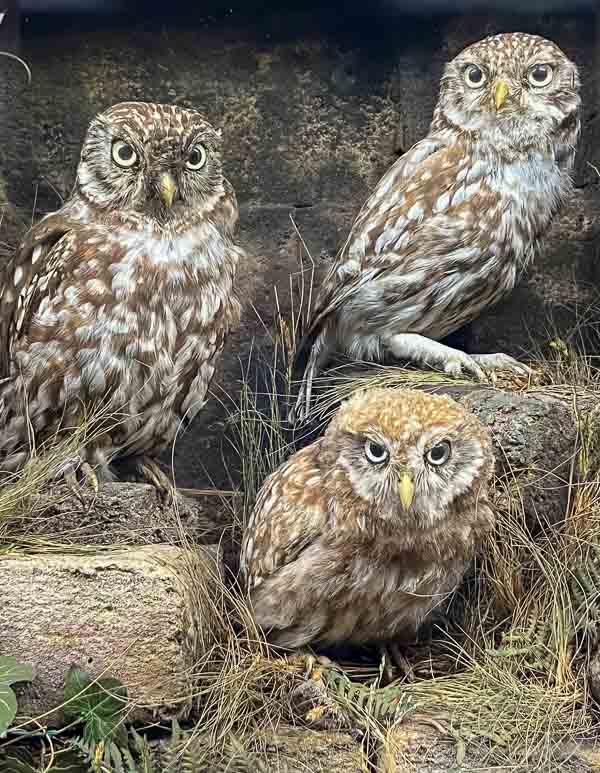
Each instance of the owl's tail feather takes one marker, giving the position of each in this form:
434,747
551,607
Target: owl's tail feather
312,354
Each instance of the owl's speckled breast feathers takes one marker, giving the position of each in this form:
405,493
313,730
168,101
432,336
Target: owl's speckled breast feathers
122,299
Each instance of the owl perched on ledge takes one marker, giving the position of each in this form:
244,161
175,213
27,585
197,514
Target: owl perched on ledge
360,535
123,298
450,228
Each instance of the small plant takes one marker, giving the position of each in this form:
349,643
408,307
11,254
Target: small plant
100,705
11,671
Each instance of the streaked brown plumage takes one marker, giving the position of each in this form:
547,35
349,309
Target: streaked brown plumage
123,298
453,224
360,535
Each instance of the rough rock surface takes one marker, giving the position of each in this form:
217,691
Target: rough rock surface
139,614
535,439
296,750
315,104
119,514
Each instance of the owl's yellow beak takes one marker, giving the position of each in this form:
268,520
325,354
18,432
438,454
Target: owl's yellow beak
168,189
500,94
406,490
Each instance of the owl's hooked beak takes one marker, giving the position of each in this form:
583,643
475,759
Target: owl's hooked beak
501,91
168,189
406,490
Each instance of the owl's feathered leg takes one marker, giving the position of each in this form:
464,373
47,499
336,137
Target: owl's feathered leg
419,349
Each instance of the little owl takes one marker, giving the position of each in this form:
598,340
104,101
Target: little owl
122,299
363,533
452,225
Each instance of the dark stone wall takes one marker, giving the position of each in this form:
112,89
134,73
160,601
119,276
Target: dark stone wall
314,104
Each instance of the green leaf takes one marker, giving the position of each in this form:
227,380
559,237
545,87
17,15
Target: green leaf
8,708
99,729
100,705
103,698
76,682
11,671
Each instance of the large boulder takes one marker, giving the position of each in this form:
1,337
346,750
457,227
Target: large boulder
140,614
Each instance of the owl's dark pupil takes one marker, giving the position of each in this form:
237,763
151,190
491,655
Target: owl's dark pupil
475,75
539,73
438,453
377,452
125,152
195,157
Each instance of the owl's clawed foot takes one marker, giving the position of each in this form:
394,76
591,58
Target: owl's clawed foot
459,364
483,367
313,665
77,475
153,473
392,656
490,363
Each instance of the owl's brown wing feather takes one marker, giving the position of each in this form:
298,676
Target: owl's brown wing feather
358,262
290,514
20,288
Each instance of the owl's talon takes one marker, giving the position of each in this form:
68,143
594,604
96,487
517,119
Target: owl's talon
491,363
68,471
391,653
314,665
151,472
458,364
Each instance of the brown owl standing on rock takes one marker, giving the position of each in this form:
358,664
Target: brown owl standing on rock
123,298
450,228
360,535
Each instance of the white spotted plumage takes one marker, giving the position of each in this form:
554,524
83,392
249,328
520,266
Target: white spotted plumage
453,224
123,298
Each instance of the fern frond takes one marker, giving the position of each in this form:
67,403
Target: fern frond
385,705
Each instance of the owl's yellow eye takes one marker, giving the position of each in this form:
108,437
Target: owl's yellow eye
123,154
376,453
540,75
439,453
196,158
474,76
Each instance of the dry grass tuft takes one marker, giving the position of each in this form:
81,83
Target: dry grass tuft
19,490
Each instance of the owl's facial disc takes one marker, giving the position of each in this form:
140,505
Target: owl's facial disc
160,161
381,469
510,91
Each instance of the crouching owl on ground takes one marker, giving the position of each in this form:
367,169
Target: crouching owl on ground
363,533
121,300
452,225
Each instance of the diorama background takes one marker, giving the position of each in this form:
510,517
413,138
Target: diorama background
315,101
